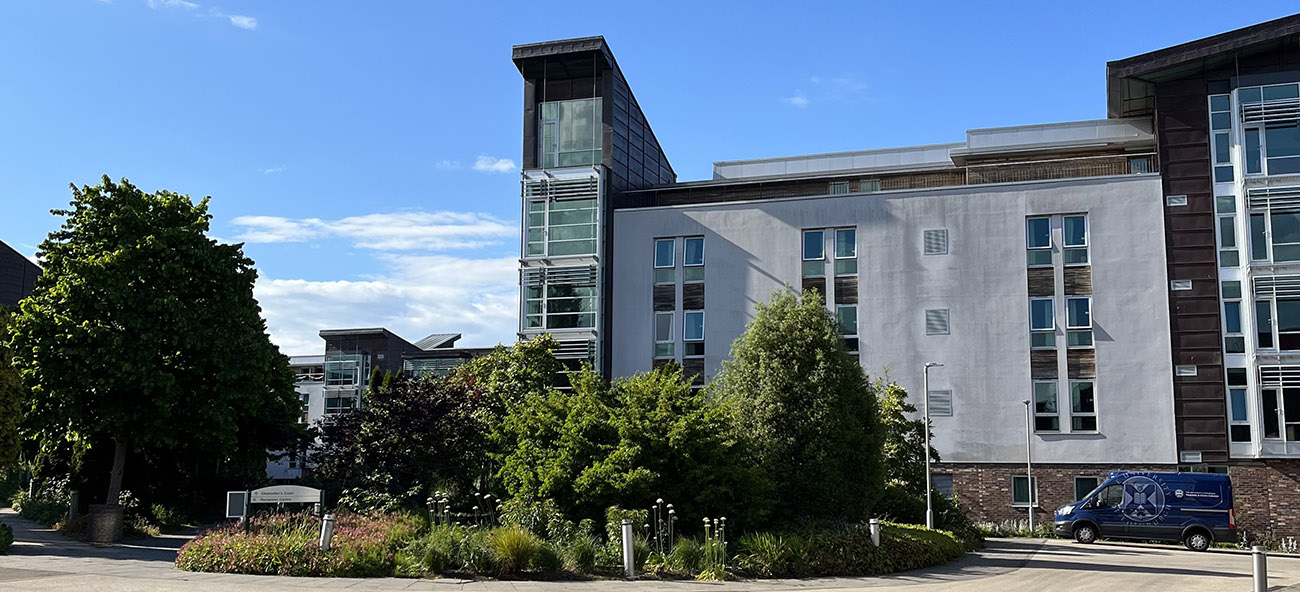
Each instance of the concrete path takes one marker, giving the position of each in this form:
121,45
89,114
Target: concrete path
44,560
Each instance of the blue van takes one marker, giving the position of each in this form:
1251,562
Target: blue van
1195,508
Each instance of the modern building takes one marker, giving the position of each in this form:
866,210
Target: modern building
336,382
1121,289
17,276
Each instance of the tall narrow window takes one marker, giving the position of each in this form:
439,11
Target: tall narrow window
1288,324
1228,241
1042,323
1038,240
1047,417
1238,424
664,345
1258,238
665,261
1220,137
1254,161
693,259
814,253
1286,236
1083,406
693,333
1263,324
1074,231
1078,321
1272,413
846,251
1234,341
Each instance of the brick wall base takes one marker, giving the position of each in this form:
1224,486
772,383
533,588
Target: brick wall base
984,490
1266,494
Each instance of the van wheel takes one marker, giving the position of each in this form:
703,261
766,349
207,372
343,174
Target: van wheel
1085,533
1197,540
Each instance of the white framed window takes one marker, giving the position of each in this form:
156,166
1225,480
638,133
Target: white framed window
1078,321
693,259
1024,491
1042,323
665,263
1234,341
1238,419
1038,241
846,251
1227,230
1074,239
664,342
814,253
847,317
1083,406
693,333
1220,137
1047,415
1084,485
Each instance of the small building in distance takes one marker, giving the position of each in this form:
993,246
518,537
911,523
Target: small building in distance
17,276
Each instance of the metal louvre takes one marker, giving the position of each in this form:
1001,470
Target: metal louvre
1275,111
538,276
1284,376
941,403
936,321
1277,285
575,350
563,189
1277,199
936,242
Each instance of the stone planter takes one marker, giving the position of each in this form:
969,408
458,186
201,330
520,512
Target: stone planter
104,523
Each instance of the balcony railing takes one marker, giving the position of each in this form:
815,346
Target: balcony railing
1062,168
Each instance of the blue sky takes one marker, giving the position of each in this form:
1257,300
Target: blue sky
366,151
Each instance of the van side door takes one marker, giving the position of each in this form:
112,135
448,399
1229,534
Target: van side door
1106,508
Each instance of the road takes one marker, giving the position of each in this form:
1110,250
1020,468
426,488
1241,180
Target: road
42,560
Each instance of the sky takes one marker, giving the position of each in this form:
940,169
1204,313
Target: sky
366,153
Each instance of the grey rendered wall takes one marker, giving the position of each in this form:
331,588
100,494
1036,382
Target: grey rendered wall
752,249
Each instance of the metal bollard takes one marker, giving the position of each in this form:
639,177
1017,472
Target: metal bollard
326,531
1261,568
875,531
74,500
629,562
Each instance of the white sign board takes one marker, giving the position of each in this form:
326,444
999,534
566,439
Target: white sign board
235,504
285,494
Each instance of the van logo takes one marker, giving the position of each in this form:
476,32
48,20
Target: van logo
1144,500
1178,493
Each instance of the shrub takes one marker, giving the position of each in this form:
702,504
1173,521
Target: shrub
286,544
167,519
580,554
686,556
768,555
547,560
515,548
1015,529
44,508
6,537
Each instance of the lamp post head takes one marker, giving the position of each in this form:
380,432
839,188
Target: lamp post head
1026,402
932,364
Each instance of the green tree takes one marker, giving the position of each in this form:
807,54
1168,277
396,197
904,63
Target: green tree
806,410
904,439
12,396
143,333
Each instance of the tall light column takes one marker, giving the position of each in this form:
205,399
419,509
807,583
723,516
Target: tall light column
1029,465
925,394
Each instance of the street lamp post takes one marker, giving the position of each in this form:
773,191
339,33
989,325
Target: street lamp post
925,406
1029,465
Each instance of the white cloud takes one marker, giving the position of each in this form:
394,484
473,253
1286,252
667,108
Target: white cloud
492,164
273,170
416,295
172,4
400,231
244,22
448,165
798,100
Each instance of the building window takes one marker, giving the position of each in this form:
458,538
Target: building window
570,134
839,187
1258,238
1024,491
1272,139
559,298
936,321
1228,241
1074,230
1083,486
346,370
846,251
1046,416
1220,136
665,261
664,346
1285,232
847,316
814,253
1083,406
1288,323
1078,321
1264,324
1038,240
1238,425
1042,323
693,333
1234,341
942,483
693,259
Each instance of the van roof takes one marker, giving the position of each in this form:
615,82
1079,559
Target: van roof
1170,475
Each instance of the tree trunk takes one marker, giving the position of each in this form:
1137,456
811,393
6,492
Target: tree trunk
115,477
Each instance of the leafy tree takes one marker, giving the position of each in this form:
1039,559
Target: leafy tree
143,333
806,410
409,438
904,439
12,397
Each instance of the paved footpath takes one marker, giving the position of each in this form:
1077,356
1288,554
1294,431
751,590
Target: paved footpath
44,560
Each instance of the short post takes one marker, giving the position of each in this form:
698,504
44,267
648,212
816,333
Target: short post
874,524
326,531
74,500
248,517
629,563
1260,556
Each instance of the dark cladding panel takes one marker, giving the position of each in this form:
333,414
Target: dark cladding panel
17,276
